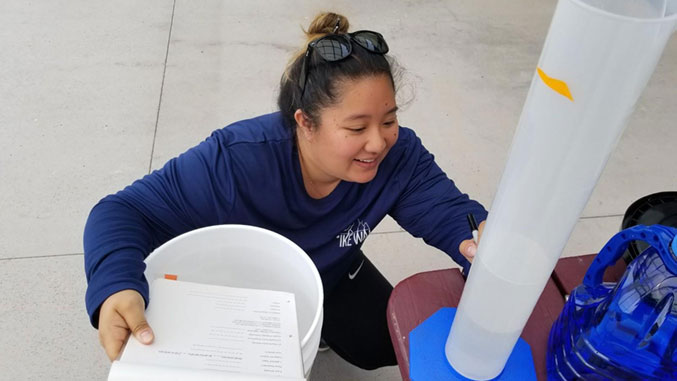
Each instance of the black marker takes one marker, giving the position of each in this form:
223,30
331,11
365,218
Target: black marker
473,227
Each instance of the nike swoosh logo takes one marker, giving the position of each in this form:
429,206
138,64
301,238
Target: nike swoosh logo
353,275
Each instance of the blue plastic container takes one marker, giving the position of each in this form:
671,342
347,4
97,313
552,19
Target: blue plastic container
625,330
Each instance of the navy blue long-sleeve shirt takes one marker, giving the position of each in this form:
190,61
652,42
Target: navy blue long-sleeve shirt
249,173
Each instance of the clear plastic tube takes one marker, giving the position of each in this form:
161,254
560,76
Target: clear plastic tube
596,60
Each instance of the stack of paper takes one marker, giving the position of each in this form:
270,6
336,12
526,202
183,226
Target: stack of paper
206,332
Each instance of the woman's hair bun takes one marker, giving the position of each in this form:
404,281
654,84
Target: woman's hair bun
325,23
311,91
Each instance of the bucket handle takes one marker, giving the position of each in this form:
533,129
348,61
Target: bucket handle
658,236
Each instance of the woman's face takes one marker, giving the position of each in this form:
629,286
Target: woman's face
354,135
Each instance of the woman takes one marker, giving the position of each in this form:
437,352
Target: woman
322,171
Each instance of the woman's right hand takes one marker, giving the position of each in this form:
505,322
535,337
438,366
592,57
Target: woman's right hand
468,248
120,314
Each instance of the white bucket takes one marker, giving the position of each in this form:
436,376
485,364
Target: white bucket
248,257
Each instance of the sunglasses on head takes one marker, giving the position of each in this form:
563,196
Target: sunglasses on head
335,47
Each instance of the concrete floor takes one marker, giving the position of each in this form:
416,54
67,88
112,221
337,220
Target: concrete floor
93,94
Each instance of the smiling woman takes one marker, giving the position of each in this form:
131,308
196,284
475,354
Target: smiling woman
352,137
323,171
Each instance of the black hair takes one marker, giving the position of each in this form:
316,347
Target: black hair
324,78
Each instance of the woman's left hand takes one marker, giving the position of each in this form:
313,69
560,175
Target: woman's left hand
468,247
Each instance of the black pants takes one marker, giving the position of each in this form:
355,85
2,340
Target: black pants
355,325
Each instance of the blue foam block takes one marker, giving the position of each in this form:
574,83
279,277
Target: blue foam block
428,361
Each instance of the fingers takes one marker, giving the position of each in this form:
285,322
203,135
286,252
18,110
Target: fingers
468,249
121,313
136,321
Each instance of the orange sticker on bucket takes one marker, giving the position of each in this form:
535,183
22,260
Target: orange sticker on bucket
171,276
555,84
